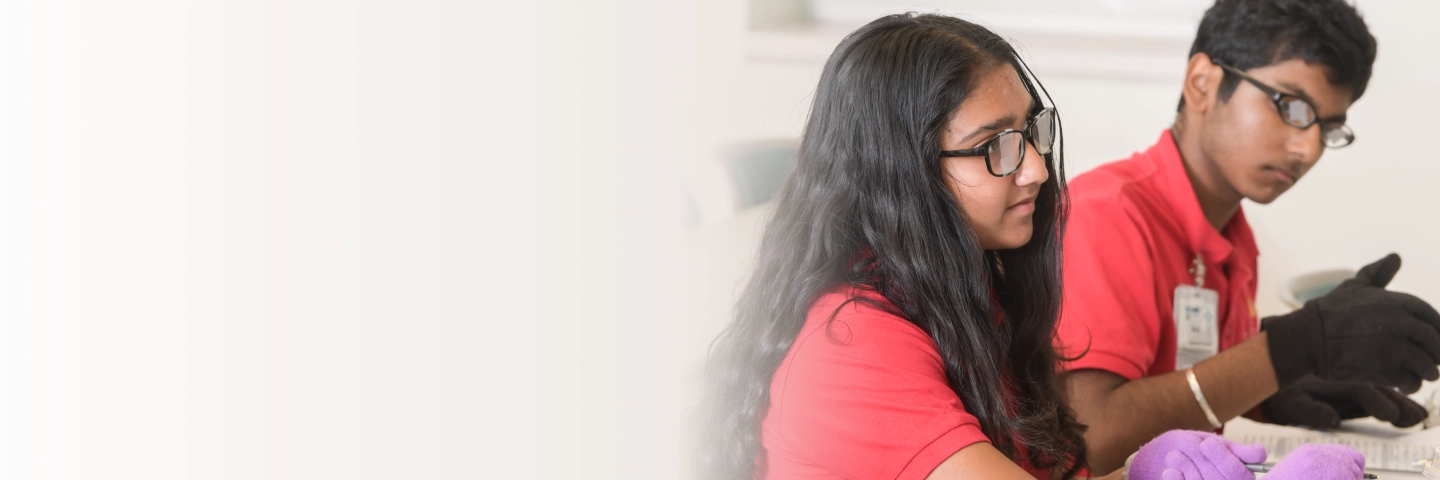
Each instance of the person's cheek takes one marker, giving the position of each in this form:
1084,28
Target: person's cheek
997,201
1262,131
1237,138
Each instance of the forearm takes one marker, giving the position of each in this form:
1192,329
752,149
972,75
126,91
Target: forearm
1237,380
1123,415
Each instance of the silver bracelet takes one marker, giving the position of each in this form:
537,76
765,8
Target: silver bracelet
1200,397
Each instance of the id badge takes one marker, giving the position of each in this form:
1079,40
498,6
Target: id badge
1197,331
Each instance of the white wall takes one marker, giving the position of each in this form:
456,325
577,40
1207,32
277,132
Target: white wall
326,239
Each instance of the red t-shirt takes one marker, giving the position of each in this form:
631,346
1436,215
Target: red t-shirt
865,398
1134,231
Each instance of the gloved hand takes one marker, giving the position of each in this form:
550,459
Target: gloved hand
1359,332
1318,461
1319,403
1192,455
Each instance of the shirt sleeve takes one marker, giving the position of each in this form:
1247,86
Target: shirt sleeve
1109,314
867,398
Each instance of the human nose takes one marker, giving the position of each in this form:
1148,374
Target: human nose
1032,168
1307,144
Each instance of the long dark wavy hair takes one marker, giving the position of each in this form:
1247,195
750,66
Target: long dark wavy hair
869,180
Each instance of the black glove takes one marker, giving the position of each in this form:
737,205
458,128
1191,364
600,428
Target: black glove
1359,332
1319,403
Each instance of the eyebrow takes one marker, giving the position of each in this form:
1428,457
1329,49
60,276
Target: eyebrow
994,126
1300,92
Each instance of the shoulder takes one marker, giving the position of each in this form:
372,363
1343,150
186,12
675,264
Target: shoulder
863,393
1118,199
859,323
1115,182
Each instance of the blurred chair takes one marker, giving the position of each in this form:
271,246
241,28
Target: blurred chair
758,169
1304,287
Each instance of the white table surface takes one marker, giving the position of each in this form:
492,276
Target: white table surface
1367,427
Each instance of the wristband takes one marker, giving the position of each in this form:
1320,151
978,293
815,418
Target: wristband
1200,397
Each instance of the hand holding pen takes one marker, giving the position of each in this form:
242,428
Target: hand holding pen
1196,455
1318,461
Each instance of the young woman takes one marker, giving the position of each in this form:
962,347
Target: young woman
898,323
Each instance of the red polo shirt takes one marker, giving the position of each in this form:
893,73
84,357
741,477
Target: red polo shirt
862,396
1134,231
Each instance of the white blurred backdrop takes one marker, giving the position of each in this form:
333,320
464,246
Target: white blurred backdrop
335,239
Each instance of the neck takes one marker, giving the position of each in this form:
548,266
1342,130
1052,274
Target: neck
1218,200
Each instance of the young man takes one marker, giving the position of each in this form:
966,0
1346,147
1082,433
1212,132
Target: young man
1160,263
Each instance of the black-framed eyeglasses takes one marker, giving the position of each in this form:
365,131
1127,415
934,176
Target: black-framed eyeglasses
1004,152
1297,112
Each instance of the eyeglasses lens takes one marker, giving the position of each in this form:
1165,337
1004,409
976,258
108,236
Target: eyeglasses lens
1297,112
1043,132
1339,136
1005,153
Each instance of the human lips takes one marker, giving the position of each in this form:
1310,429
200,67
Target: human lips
1283,174
1025,205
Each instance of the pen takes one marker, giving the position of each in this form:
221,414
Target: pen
1259,468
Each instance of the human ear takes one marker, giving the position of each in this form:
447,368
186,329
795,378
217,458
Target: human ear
1202,81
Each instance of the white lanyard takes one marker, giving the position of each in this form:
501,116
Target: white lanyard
1199,270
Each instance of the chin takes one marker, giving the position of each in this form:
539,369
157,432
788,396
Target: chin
1015,241
1265,196
1265,190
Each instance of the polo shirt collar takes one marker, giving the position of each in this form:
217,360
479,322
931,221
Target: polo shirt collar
1179,195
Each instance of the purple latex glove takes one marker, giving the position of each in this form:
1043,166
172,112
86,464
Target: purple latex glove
1316,461
1192,455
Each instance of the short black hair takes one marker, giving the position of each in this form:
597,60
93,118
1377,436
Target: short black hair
1248,34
